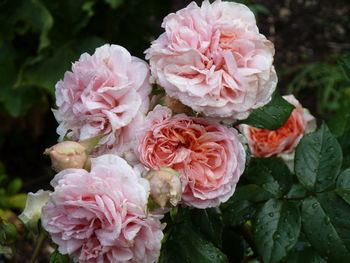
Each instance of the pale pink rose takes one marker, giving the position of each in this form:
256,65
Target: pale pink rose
281,142
208,156
214,60
101,216
104,94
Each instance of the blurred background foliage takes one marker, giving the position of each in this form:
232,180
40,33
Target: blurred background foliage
39,39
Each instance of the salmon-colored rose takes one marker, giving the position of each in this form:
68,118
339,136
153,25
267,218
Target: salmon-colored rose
280,142
209,156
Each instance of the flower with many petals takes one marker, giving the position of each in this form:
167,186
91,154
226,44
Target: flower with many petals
100,217
214,60
104,94
209,156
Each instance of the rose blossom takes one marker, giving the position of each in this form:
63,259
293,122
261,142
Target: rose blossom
214,60
208,156
101,216
281,142
104,94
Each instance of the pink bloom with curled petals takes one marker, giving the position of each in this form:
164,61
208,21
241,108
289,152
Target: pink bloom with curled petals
100,217
214,60
103,94
209,156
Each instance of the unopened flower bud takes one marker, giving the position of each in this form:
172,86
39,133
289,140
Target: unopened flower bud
165,187
67,154
176,106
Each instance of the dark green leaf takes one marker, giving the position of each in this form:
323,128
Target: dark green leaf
297,191
327,226
114,3
343,180
344,63
241,207
45,74
307,255
209,222
56,257
14,186
318,160
233,245
340,122
303,252
185,245
8,233
271,174
271,116
276,229
344,193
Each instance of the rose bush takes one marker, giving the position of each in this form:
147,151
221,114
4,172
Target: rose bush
214,60
209,156
101,216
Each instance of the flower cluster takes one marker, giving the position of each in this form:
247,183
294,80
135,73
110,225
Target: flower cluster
127,154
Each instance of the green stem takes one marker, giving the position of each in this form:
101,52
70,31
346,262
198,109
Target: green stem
39,244
248,236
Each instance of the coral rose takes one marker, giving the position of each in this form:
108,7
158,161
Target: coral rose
101,216
280,142
214,60
208,156
104,94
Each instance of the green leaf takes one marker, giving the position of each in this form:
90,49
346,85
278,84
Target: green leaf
307,255
344,193
318,159
339,124
271,116
56,257
303,252
276,229
241,207
297,191
114,3
209,222
45,74
14,186
17,201
343,185
344,63
327,226
271,174
185,245
8,233
343,180
233,246
46,21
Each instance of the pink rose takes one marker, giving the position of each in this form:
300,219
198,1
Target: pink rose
104,94
281,142
214,60
101,216
209,156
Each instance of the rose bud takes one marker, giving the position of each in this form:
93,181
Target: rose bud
67,154
165,186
